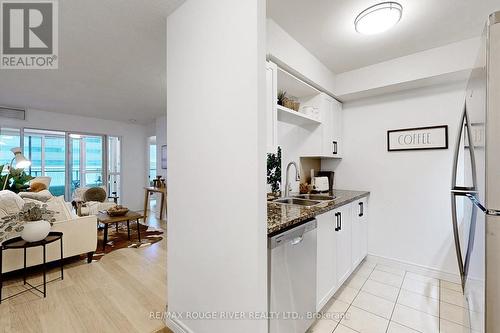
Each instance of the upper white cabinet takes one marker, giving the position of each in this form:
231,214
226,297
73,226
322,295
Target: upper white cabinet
271,111
325,141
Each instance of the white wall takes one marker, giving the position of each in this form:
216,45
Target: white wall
452,61
410,218
217,251
287,52
134,139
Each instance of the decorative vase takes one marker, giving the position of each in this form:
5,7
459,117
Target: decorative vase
35,231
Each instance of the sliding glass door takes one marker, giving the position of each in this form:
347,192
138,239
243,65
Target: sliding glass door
47,152
86,160
114,166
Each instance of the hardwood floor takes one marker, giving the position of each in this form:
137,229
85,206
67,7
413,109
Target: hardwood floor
119,293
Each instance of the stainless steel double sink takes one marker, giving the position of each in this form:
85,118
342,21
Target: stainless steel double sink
306,200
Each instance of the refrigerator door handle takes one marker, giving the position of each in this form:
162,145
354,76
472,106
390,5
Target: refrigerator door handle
475,201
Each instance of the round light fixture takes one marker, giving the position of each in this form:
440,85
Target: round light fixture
378,18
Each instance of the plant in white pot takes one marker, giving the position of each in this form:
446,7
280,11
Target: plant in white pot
37,221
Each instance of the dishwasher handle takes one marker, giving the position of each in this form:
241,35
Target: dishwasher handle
292,236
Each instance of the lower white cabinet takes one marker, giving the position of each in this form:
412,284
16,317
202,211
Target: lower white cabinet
344,239
341,246
359,230
326,281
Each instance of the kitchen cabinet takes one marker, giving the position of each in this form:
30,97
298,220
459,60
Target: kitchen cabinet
326,277
341,246
343,243
326,140
359,230
271,103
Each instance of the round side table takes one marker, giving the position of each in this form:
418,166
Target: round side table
19,243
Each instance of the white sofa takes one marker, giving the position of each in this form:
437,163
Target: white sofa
79,237
79,234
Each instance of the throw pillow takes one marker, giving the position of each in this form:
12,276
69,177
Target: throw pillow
95,194
40,196
37,187
10,203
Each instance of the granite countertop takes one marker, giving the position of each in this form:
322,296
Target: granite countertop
280,217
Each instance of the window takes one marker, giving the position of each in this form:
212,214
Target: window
86,160
47,152
9,138
114,167
152,161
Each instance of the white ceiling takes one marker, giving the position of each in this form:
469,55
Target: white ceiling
112,62
326,28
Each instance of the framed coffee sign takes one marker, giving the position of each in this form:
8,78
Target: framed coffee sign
419,138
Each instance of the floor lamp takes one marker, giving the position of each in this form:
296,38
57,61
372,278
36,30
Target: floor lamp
21,163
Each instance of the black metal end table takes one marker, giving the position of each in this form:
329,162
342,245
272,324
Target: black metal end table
19,243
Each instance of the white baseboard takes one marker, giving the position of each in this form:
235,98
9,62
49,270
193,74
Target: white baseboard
419,269
176,326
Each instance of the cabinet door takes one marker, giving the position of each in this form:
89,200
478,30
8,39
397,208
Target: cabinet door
336,108
363,221
326,278
359,231
344,232
271,111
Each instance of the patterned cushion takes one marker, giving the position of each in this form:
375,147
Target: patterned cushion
10,203
95,194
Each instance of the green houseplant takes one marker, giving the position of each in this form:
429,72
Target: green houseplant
18,179
274,171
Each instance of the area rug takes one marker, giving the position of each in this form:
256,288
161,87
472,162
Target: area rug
119,239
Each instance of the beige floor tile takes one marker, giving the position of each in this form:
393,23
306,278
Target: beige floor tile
390,269
367,262
421,288
382,290
364,322
423,278
456,314
336,310
398,328
453,297
415,319
451,285
374,304
364,270
356,281
387,278
346,294
451,327
419,302
344,329
323,326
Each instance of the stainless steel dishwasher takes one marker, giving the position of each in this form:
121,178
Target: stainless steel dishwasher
292,279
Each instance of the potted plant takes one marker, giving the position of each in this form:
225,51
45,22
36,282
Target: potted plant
37,221
281,97
18,179
274,172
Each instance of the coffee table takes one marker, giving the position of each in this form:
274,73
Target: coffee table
105,219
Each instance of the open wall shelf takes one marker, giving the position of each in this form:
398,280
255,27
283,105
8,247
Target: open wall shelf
294,117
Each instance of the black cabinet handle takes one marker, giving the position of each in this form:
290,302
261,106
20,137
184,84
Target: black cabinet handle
340,218
335,151
337,228
361,209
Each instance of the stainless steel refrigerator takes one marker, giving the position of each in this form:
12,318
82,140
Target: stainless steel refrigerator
475,194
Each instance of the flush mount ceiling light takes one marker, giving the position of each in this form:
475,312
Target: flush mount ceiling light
378,18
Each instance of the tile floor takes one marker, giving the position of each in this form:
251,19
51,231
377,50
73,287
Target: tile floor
383,299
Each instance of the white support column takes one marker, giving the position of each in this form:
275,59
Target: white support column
217,226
